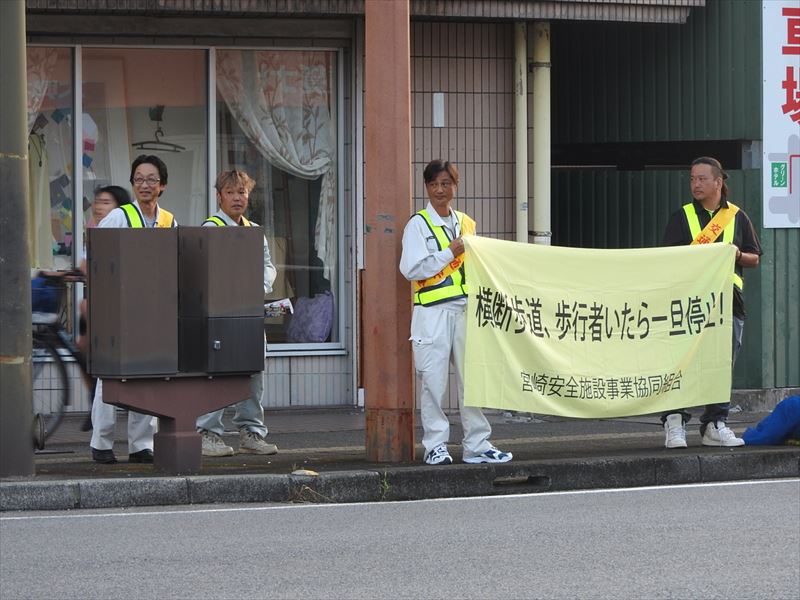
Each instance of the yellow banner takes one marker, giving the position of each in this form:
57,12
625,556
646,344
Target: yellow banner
597,333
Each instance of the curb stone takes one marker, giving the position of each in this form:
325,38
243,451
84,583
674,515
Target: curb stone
336,486
405,483
599,473
141,491
752,465
40,495
675,470
238,488
419,483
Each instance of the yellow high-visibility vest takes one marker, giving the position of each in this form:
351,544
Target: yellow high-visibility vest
727,234
449,283
220,223
135,219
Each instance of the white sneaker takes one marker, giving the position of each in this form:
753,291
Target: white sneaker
438,456
492,455
214,446
719,434
675,432
252,443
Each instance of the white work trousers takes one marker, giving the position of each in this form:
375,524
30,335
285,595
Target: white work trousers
437,336
104,418
249,412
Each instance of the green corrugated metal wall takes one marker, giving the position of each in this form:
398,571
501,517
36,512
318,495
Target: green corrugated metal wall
605,208
648,83
623,82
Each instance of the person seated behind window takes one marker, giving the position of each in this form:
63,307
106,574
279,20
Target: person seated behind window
106,199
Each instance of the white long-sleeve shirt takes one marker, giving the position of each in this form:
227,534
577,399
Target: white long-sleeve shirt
421,257
270,272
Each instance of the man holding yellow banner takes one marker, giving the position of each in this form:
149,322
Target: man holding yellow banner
592,333
708,219
597,334
433,260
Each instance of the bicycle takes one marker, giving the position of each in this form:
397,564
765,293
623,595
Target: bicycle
51,388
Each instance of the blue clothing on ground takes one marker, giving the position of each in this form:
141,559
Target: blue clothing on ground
776,427
45,295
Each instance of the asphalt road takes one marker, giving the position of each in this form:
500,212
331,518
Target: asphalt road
729,540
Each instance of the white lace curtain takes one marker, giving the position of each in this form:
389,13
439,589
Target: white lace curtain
282,102
41,63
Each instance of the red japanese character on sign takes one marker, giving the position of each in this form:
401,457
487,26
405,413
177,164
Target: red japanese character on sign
703,239
715,229
792,31
792,104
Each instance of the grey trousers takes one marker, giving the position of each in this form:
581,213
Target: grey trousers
715,412
249,412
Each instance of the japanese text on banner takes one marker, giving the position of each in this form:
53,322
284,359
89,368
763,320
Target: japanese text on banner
597,333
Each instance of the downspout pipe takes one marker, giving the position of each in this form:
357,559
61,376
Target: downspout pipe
542,228
521,130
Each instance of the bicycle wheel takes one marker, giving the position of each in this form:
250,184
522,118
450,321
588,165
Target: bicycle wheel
50,389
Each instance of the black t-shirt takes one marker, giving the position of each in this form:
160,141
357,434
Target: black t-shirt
744,237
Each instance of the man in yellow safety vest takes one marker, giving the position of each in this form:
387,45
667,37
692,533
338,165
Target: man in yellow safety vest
233,193
710,218
149,179
433,260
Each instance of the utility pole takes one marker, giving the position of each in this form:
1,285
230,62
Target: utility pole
389,395
16,437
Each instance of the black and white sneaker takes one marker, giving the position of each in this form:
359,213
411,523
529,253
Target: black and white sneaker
438,456
492,455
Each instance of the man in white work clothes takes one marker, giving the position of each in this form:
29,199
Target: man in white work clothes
433,260
149,179
233,193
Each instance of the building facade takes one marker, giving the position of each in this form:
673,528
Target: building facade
276,88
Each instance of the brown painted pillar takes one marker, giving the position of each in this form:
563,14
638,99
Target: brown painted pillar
386,295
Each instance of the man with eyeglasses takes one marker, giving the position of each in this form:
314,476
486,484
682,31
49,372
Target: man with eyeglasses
433,261
149,179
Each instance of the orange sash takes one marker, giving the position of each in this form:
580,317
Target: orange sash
468,227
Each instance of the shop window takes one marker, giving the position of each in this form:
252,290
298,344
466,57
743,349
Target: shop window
147,101
50,151
276,120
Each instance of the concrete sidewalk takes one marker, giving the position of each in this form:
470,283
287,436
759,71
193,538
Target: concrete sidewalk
550,454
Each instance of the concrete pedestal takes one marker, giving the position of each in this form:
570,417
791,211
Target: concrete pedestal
177,402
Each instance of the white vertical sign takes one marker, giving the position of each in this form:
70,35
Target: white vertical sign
781,113
438,109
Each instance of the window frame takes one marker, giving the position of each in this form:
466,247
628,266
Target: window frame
287,349
343,300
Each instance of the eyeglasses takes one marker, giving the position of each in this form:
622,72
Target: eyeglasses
445,185
151,181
